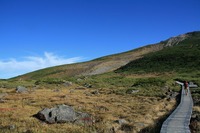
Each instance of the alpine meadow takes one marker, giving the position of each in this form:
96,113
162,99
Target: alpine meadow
129,92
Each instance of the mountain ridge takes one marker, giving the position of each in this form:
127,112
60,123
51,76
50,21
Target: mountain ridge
106,63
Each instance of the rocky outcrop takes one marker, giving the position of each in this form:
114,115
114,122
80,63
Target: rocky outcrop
176,40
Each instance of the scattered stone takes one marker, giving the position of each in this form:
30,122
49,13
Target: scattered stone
121,121
21,89
194,116
79,79
88,85
96,92
132,91
63,114
67,83
169,94
11,127
173,95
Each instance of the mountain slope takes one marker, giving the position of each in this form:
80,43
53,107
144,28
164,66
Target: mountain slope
183,56
97,66
112,62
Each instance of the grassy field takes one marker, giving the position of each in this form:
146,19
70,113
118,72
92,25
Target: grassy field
107,98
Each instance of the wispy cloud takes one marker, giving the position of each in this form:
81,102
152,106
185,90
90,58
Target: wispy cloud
14,67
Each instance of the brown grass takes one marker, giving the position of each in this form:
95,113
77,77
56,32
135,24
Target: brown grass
138,111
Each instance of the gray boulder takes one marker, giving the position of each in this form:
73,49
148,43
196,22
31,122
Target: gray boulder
21,89
59,114
63,114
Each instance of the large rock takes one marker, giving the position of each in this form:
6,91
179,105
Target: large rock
21,89
63,114
59,114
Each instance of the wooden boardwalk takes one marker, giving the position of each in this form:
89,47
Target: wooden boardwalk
179,120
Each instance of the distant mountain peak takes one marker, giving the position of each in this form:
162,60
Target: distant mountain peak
177,39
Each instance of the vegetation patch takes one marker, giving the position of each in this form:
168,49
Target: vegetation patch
184,57
195,120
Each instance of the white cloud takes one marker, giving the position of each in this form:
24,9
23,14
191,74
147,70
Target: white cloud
14,67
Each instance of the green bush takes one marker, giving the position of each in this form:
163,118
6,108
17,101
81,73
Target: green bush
147,82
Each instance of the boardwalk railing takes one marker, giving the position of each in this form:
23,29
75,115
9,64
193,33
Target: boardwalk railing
179,120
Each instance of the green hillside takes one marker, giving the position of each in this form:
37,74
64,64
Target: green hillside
179,54
93,67
183,57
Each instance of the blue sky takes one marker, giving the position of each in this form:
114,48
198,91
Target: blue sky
35,34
